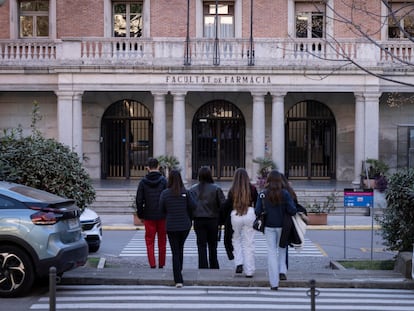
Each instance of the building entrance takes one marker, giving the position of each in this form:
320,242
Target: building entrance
310,138
218,139
126,140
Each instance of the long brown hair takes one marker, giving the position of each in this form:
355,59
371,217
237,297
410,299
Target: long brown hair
175,182
274,186
240,191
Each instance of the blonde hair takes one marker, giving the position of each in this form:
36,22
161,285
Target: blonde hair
241,193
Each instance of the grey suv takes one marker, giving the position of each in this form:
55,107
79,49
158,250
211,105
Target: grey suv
38,230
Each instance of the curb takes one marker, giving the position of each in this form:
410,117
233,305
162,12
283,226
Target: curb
121,227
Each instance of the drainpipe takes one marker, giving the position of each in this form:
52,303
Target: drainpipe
216,59
250,54
187,60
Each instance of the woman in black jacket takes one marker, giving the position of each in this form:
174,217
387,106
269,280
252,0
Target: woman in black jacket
177,205
209,198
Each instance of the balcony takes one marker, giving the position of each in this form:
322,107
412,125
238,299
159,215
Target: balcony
289,54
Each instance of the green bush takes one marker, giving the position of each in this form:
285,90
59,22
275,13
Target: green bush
44,164
397,221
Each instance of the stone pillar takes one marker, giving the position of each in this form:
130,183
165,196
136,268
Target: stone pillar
69,120
371,125
179,131
278,131
159,135
258,129
78,124
359,136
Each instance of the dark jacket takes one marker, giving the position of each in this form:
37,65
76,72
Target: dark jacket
148,196
209,200
177,210
275,213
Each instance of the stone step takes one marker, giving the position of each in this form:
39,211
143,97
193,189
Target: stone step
121,201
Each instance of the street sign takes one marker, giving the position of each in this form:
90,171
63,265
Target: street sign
358,197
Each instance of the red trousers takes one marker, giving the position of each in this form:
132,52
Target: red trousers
155,228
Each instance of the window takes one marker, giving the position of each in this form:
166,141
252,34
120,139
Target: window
225,17
310,20
127,19
34,18
401,21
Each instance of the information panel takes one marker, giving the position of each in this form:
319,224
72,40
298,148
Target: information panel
358,197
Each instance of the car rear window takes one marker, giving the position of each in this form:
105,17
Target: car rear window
36,194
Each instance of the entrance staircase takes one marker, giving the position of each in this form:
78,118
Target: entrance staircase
119,197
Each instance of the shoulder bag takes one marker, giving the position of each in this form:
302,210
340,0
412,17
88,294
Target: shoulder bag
259,222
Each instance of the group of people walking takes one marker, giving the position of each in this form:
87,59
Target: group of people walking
168,209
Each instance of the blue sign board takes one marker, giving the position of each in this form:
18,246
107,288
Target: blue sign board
358,197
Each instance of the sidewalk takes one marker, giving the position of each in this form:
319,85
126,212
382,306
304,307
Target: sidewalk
335,222
134,271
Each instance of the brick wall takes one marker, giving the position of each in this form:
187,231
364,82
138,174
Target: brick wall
169,18
80,18
366,14
4,21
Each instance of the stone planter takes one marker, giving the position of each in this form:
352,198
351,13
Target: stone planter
318,218
137,221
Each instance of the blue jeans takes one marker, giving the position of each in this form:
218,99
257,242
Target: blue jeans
276,256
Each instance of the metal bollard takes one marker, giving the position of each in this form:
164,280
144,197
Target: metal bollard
312,293
52,289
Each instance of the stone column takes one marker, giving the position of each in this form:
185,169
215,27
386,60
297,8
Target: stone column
179,131
258,129
69,120
159,135
359,136
278,131
78,124
371,125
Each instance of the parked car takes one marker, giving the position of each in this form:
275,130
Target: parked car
38,230
91,229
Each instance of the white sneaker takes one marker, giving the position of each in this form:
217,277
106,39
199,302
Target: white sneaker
179,285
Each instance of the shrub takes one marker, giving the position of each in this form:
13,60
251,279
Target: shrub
44,164
397,221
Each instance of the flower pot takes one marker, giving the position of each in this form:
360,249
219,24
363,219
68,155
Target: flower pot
369,183
137,221
318,218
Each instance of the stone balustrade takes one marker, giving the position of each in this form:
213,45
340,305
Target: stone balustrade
288,53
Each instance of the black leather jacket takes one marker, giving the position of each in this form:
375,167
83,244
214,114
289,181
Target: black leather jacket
209,199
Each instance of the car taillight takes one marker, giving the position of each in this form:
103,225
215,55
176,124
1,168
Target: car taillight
44,218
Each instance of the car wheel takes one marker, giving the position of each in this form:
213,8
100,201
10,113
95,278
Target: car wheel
94,248
16,272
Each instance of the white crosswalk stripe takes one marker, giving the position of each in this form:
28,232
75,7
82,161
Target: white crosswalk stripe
136,247
135,297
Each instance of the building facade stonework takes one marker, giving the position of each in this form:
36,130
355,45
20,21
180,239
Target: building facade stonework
215,83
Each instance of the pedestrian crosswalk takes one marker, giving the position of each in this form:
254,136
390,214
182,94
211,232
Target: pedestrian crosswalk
136,297
136,247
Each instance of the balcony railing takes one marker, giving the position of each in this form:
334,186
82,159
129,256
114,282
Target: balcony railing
292,53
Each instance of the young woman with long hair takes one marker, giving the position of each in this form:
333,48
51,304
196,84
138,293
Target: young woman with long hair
277,202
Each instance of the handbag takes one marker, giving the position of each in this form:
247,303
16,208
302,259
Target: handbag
259,222
299,227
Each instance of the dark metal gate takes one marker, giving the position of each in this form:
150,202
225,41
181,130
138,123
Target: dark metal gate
218,139
126,141
310,139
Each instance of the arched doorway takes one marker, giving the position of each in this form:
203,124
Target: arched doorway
126,139
218,139
310,139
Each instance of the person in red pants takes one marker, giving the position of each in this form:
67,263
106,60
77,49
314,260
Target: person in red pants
149,212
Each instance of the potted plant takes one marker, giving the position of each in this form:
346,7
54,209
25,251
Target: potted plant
265,166
374,174
318,211
167,163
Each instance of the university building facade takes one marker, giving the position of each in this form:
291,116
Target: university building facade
215,83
